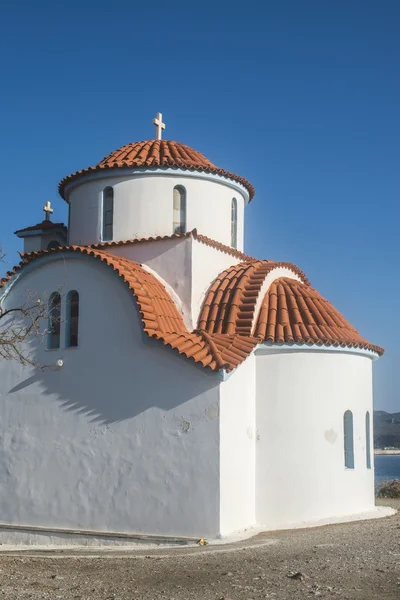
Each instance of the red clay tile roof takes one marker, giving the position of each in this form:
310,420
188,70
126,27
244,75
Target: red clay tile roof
160,318
231,301
43,225
156,153
197,236
292,312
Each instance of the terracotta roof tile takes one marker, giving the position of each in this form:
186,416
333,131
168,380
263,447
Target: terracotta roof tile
292,312
160,317
231,301
156,153
197,236
43,225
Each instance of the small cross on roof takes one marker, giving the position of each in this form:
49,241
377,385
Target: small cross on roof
159,125
48,210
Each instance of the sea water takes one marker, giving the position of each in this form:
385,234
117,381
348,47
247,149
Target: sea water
387,467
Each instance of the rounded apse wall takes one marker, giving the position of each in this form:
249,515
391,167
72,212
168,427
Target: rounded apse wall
301,470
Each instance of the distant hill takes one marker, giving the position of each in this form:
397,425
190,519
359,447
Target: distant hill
386,429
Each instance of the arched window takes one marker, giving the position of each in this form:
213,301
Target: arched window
108,213
72,319
179,218
234,223
53,339
53,244
368,439
348,440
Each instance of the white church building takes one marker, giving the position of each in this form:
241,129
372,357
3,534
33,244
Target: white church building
181,387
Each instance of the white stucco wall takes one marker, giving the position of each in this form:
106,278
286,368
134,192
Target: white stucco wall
143,205
171,261
188,266
207,264
34,243
300,472
124,437
237,449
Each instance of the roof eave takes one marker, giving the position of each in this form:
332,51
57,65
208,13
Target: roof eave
85,174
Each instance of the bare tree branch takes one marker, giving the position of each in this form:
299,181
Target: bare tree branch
20,325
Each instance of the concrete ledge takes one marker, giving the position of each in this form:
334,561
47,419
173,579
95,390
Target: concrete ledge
27,535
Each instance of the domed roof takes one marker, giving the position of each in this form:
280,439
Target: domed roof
157,153
291,311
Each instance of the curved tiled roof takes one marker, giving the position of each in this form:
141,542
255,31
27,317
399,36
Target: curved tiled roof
231,301
156,153
160,317
292,312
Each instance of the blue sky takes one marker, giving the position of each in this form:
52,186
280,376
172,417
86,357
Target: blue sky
301,98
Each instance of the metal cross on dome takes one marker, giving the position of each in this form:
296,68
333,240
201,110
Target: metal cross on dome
159,125
48,210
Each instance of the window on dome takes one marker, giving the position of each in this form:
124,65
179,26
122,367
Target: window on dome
108,213
348,440
368,439
234,223
53,336
72,318
179,210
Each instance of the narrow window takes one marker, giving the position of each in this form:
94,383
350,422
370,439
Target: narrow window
368,439
71,334
69,222
53,340
179,219
234,223
108,214
348,440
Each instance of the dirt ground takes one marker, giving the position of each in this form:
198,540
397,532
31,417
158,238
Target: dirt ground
356,561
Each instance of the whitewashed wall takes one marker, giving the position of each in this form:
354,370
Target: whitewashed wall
237,448
300,472
171,260
124,437
34,243
143,206
207,264
188,266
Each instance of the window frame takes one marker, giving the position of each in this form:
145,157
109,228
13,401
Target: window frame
368,440
179,226
72,320
234,219
348,440
106,212
52,306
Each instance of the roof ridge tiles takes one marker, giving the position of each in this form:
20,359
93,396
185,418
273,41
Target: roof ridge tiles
193,233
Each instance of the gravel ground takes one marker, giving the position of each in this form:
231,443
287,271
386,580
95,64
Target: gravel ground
350,561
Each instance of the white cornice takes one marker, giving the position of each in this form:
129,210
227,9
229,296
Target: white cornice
270,348
163,171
